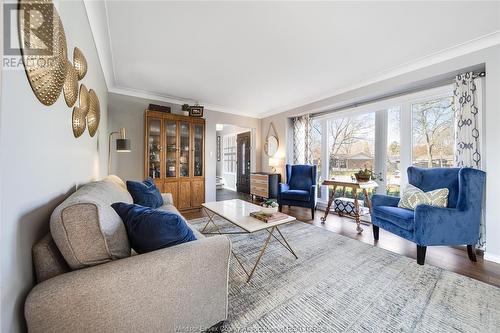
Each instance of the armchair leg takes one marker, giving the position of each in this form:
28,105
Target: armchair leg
375,231
280,208
312,212
421,254
471,251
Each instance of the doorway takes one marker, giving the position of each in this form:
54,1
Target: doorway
234,161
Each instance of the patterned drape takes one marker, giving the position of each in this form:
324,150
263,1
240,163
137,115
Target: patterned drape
467,103
302,140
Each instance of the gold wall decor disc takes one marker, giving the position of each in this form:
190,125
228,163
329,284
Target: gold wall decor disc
44,53
70,88
84,99
94,114
78,121
80,63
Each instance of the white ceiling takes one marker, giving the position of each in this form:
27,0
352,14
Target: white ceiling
258,58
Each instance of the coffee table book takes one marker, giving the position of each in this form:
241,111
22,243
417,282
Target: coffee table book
269,218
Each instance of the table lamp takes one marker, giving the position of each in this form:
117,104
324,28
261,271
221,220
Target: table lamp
273,163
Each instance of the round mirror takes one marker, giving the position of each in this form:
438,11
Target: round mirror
271,146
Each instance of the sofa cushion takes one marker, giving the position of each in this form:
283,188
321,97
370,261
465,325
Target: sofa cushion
145,193
297,195
86,229
151,229
47,259
403,218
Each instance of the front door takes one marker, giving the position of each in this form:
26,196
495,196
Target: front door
243,162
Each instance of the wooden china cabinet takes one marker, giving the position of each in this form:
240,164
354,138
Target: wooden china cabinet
174,147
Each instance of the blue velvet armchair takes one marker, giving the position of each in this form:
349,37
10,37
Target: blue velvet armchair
457,224
300,187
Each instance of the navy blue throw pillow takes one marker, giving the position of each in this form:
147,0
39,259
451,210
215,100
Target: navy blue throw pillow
152,229
145,193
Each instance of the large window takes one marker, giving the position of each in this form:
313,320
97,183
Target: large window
229,145
433,132
387,137
350,145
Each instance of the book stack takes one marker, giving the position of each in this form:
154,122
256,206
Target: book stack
269,218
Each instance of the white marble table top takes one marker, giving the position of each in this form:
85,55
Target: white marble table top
238,212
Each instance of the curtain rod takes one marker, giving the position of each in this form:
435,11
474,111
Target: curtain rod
435,84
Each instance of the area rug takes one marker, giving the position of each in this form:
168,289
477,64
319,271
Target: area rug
342,285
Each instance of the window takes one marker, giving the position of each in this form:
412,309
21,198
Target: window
433,133
393,158
229,154
350,145
387,137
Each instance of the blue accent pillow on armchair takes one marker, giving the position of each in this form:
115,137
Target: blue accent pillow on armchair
152,229
145,193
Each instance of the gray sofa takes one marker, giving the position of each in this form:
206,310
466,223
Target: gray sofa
88,281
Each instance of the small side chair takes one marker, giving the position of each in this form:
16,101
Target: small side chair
300,187
457,224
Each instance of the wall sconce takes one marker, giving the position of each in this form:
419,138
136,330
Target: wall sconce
273,163
122,145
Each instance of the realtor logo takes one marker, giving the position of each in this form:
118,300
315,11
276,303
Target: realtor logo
35,22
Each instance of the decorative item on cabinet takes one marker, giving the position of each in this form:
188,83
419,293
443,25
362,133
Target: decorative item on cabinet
179,168
196,111
160,108
264,185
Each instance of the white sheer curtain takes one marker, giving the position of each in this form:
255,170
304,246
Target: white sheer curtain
302,140
468,129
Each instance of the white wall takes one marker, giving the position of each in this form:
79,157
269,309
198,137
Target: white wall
128,112
41,163
490,57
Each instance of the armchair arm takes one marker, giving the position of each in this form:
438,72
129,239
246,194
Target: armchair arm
384,200
283,187
168,199
312,194
445,226
173,289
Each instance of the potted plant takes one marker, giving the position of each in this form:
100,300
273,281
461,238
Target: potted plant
269,207
366,175
185,109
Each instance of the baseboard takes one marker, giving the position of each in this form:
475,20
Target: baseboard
492,257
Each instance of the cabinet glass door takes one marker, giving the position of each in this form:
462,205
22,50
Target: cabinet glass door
154,147
171,148
198,149
184,149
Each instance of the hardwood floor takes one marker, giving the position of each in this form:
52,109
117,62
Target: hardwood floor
454,259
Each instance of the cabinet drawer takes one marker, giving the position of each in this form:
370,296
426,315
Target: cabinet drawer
259,181
258,177
259,192
259,187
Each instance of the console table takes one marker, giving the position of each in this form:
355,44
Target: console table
356,187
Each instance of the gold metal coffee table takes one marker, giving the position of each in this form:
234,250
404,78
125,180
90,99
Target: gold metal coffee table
237,212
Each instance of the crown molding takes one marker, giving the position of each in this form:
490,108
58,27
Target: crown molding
175,100
473,45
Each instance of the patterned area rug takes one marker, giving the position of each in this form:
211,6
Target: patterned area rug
342,285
